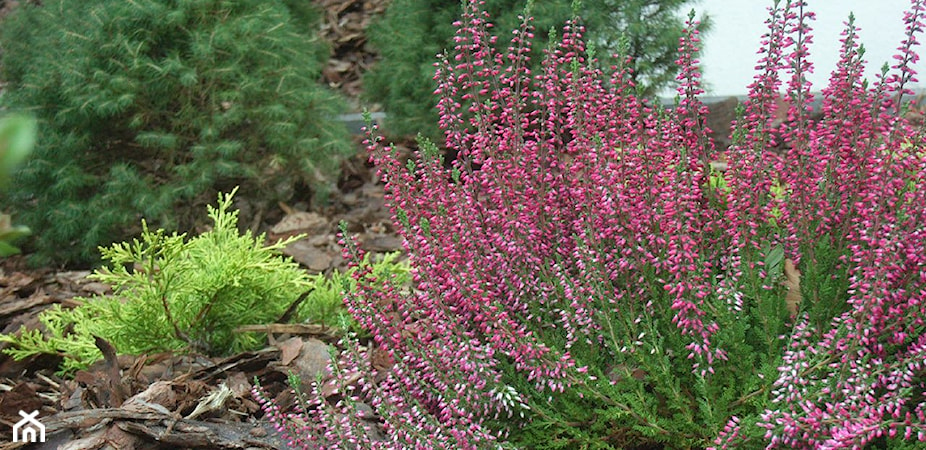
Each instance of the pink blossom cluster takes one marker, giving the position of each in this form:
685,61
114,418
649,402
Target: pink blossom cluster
578,215
856,179
355,407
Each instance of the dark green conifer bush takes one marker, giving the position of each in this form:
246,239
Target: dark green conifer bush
412,32
149,107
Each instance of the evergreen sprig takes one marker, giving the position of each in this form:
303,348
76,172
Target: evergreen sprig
150,107
325,305
171,293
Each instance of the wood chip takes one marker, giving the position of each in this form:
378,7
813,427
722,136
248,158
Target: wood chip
793,283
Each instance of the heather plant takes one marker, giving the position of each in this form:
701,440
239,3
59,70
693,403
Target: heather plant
412,32
582,279
150,107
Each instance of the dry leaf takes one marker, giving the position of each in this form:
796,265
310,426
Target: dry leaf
240,385
300,222
159,397
213,401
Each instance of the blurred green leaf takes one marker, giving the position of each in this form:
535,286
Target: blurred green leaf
8,250
773,261
17,136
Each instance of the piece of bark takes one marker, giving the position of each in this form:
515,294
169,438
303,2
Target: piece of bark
793,283
87,418
117,391
321,332
196,434
254,363
17,305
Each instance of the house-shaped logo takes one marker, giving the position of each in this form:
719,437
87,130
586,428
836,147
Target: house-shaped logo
29,429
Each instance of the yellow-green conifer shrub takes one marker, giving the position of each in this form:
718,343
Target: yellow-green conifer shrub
325,304
173,293
150,107
179,294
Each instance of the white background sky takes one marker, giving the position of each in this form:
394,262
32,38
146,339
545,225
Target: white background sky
730,48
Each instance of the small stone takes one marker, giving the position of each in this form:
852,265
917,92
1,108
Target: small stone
365,411
350,199
300,222
312,361
314,259
383,243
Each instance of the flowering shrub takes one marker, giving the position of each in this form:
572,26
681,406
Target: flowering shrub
583,280
411,32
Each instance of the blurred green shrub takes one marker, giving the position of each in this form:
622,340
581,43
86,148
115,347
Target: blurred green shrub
413,32
17,137
150,107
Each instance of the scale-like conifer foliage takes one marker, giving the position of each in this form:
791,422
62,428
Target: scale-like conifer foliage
148,107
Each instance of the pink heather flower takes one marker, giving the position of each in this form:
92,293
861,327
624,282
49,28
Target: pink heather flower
577,215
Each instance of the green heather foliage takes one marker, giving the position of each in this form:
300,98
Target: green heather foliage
412,32
150,107
17,136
